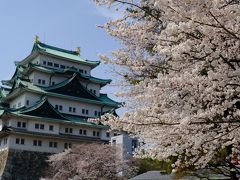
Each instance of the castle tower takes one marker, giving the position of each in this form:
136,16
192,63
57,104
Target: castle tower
49,103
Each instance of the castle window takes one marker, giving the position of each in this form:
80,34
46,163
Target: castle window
95,113
53,144
67,145
70,109
50,127
22,141
34,142
94,91
83,111
94,133
36,126
74,110
99,113
85,72
80,131
66,130
49,63
39,81
60,107
27,102
44,62
43,82
56,107
56,65
53,83
37,143
39,126
62,67
86,111
107,134
85,132
98,133
17,141
21,124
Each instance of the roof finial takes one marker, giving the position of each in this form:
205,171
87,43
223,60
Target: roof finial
36,39
78,50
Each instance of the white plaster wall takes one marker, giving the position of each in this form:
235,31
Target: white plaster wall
28,144
17,100
95,87
57,79
103,134
35,76
64,62
78,105
31,127
32,98
4,146
77,128
36,60
14,120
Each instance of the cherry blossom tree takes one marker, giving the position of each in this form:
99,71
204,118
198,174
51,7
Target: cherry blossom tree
90,161
180,64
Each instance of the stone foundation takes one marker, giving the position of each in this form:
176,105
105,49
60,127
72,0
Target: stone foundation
22,165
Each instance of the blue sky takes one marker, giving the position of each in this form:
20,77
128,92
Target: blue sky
62,23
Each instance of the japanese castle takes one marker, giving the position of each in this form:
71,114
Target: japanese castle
52,102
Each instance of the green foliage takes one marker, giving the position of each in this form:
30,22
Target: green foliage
149,164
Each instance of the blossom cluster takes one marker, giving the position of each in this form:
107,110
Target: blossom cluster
181,61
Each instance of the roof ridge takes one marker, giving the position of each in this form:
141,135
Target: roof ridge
64,83
41,103
44,45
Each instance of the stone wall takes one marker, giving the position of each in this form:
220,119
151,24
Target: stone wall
3,160
22,165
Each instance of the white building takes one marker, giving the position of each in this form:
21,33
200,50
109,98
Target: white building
127,145
47,104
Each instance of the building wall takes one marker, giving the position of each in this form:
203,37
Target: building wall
37,78
28,144
77,105
22,165
66,63
94,88
4,143
36,60
125,143
32,98
18,101
58,128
